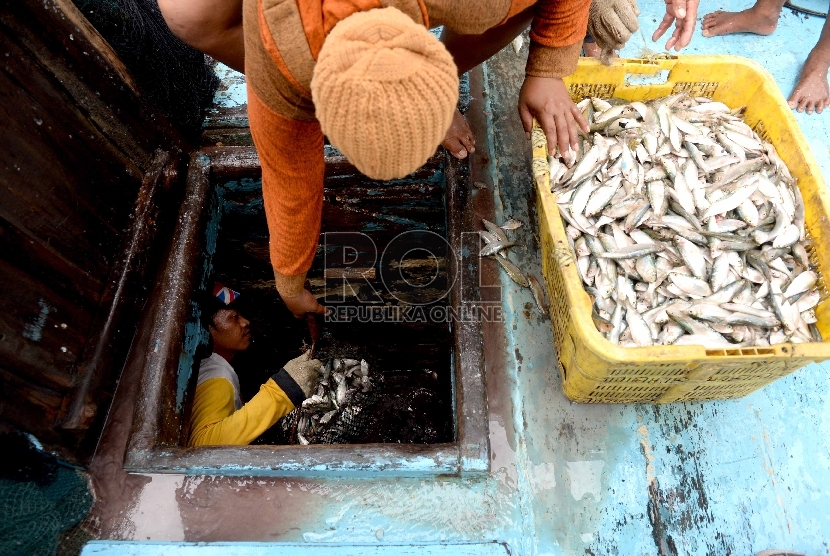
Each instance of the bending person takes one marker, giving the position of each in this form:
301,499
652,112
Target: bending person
372,78
215,28
811,92
384,92
219,416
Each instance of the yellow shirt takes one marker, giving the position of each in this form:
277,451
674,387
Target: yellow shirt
215,421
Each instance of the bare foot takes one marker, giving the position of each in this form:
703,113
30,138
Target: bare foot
811,92
591,49
752,20
459,139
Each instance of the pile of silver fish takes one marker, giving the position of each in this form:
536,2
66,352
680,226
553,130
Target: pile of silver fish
687,227
496,245
338,386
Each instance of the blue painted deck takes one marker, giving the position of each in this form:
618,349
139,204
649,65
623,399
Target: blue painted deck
733,477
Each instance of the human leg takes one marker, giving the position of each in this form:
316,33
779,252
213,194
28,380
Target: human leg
812,92
761,19
211,26
468,51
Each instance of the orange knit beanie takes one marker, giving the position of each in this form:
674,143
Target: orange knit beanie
384,90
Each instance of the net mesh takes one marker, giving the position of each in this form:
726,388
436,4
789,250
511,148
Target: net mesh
41,502
175,78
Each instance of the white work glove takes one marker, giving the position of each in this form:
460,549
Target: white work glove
611,23
298,378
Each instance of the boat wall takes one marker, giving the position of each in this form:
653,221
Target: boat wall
78,139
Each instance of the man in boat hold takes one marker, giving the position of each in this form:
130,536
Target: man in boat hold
218,415
370,76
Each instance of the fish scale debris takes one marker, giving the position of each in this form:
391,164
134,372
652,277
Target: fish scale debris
340,393
687,227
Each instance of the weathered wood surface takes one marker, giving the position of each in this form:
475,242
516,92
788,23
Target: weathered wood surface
157,415
77,140
113,329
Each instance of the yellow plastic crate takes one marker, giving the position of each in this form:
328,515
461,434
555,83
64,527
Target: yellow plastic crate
596,371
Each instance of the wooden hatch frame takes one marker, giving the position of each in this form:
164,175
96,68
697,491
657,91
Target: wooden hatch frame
158,346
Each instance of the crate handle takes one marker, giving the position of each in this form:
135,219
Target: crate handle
649,65
753,351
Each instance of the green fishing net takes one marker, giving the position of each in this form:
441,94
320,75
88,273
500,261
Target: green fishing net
42,502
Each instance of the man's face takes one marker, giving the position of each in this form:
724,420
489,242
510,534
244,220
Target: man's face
230,331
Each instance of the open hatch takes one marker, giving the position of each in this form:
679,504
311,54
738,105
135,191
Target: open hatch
387,249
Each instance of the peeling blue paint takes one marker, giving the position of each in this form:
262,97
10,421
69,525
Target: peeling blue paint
34,330
232,91
194,333
113,548
242,185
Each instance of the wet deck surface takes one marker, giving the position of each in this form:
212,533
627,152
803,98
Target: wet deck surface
729,477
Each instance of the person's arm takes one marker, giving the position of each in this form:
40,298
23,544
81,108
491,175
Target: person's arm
214,421
291,156
556,39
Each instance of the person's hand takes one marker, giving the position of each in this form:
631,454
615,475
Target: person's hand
547,99
610,23
683,13
304,303
303,370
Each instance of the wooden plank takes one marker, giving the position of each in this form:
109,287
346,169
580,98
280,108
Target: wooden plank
48,113
30,407
74,63
156,419
33,256
56,35
38,396
163,548
230,136
349,272
339,165
464,209
113,328
39,204
43,333
86,31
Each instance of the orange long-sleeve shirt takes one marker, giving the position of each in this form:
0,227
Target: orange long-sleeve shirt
282,40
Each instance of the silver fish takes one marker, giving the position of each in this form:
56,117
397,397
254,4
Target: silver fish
640,331
677,201
632,251
601,197
808,301
513,272
511,225
495,230
493,248
801,283
538,294
691,285
730,202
